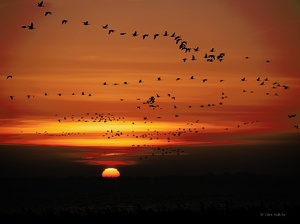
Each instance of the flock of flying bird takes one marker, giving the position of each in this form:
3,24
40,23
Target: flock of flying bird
152,101
211,56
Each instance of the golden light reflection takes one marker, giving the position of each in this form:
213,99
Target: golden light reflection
113,133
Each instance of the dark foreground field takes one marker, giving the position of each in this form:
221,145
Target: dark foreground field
228,195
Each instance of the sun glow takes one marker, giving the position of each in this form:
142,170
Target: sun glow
113,133
110,173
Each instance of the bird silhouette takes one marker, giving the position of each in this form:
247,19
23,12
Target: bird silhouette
111,31
193,58
291,115
159,79
40,4
11,97
192,77
166,34
196,49
184,59
296,126
48,13
135,34
31,26
9,77
64,21
155,35
145,35
86,23
177,41
105,26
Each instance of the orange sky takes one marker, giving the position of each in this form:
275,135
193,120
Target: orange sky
73,58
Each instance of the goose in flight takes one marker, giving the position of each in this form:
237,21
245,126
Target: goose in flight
40,4
184,59
111,31
86,23
135,34
31,26
145,35
105,26
155,35
64,21
177,41
296,126
48,13
196,49
166,34
11,97
159,79
9,77
193,58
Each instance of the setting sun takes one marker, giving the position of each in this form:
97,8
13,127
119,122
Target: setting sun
110,173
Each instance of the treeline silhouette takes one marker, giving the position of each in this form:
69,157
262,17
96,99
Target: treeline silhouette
242,194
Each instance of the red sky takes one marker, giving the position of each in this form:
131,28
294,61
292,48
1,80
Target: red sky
73,58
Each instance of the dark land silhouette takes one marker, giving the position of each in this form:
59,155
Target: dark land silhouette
210,195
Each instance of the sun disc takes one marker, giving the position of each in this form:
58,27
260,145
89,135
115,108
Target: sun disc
110,173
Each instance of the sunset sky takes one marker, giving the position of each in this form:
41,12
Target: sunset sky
56,94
